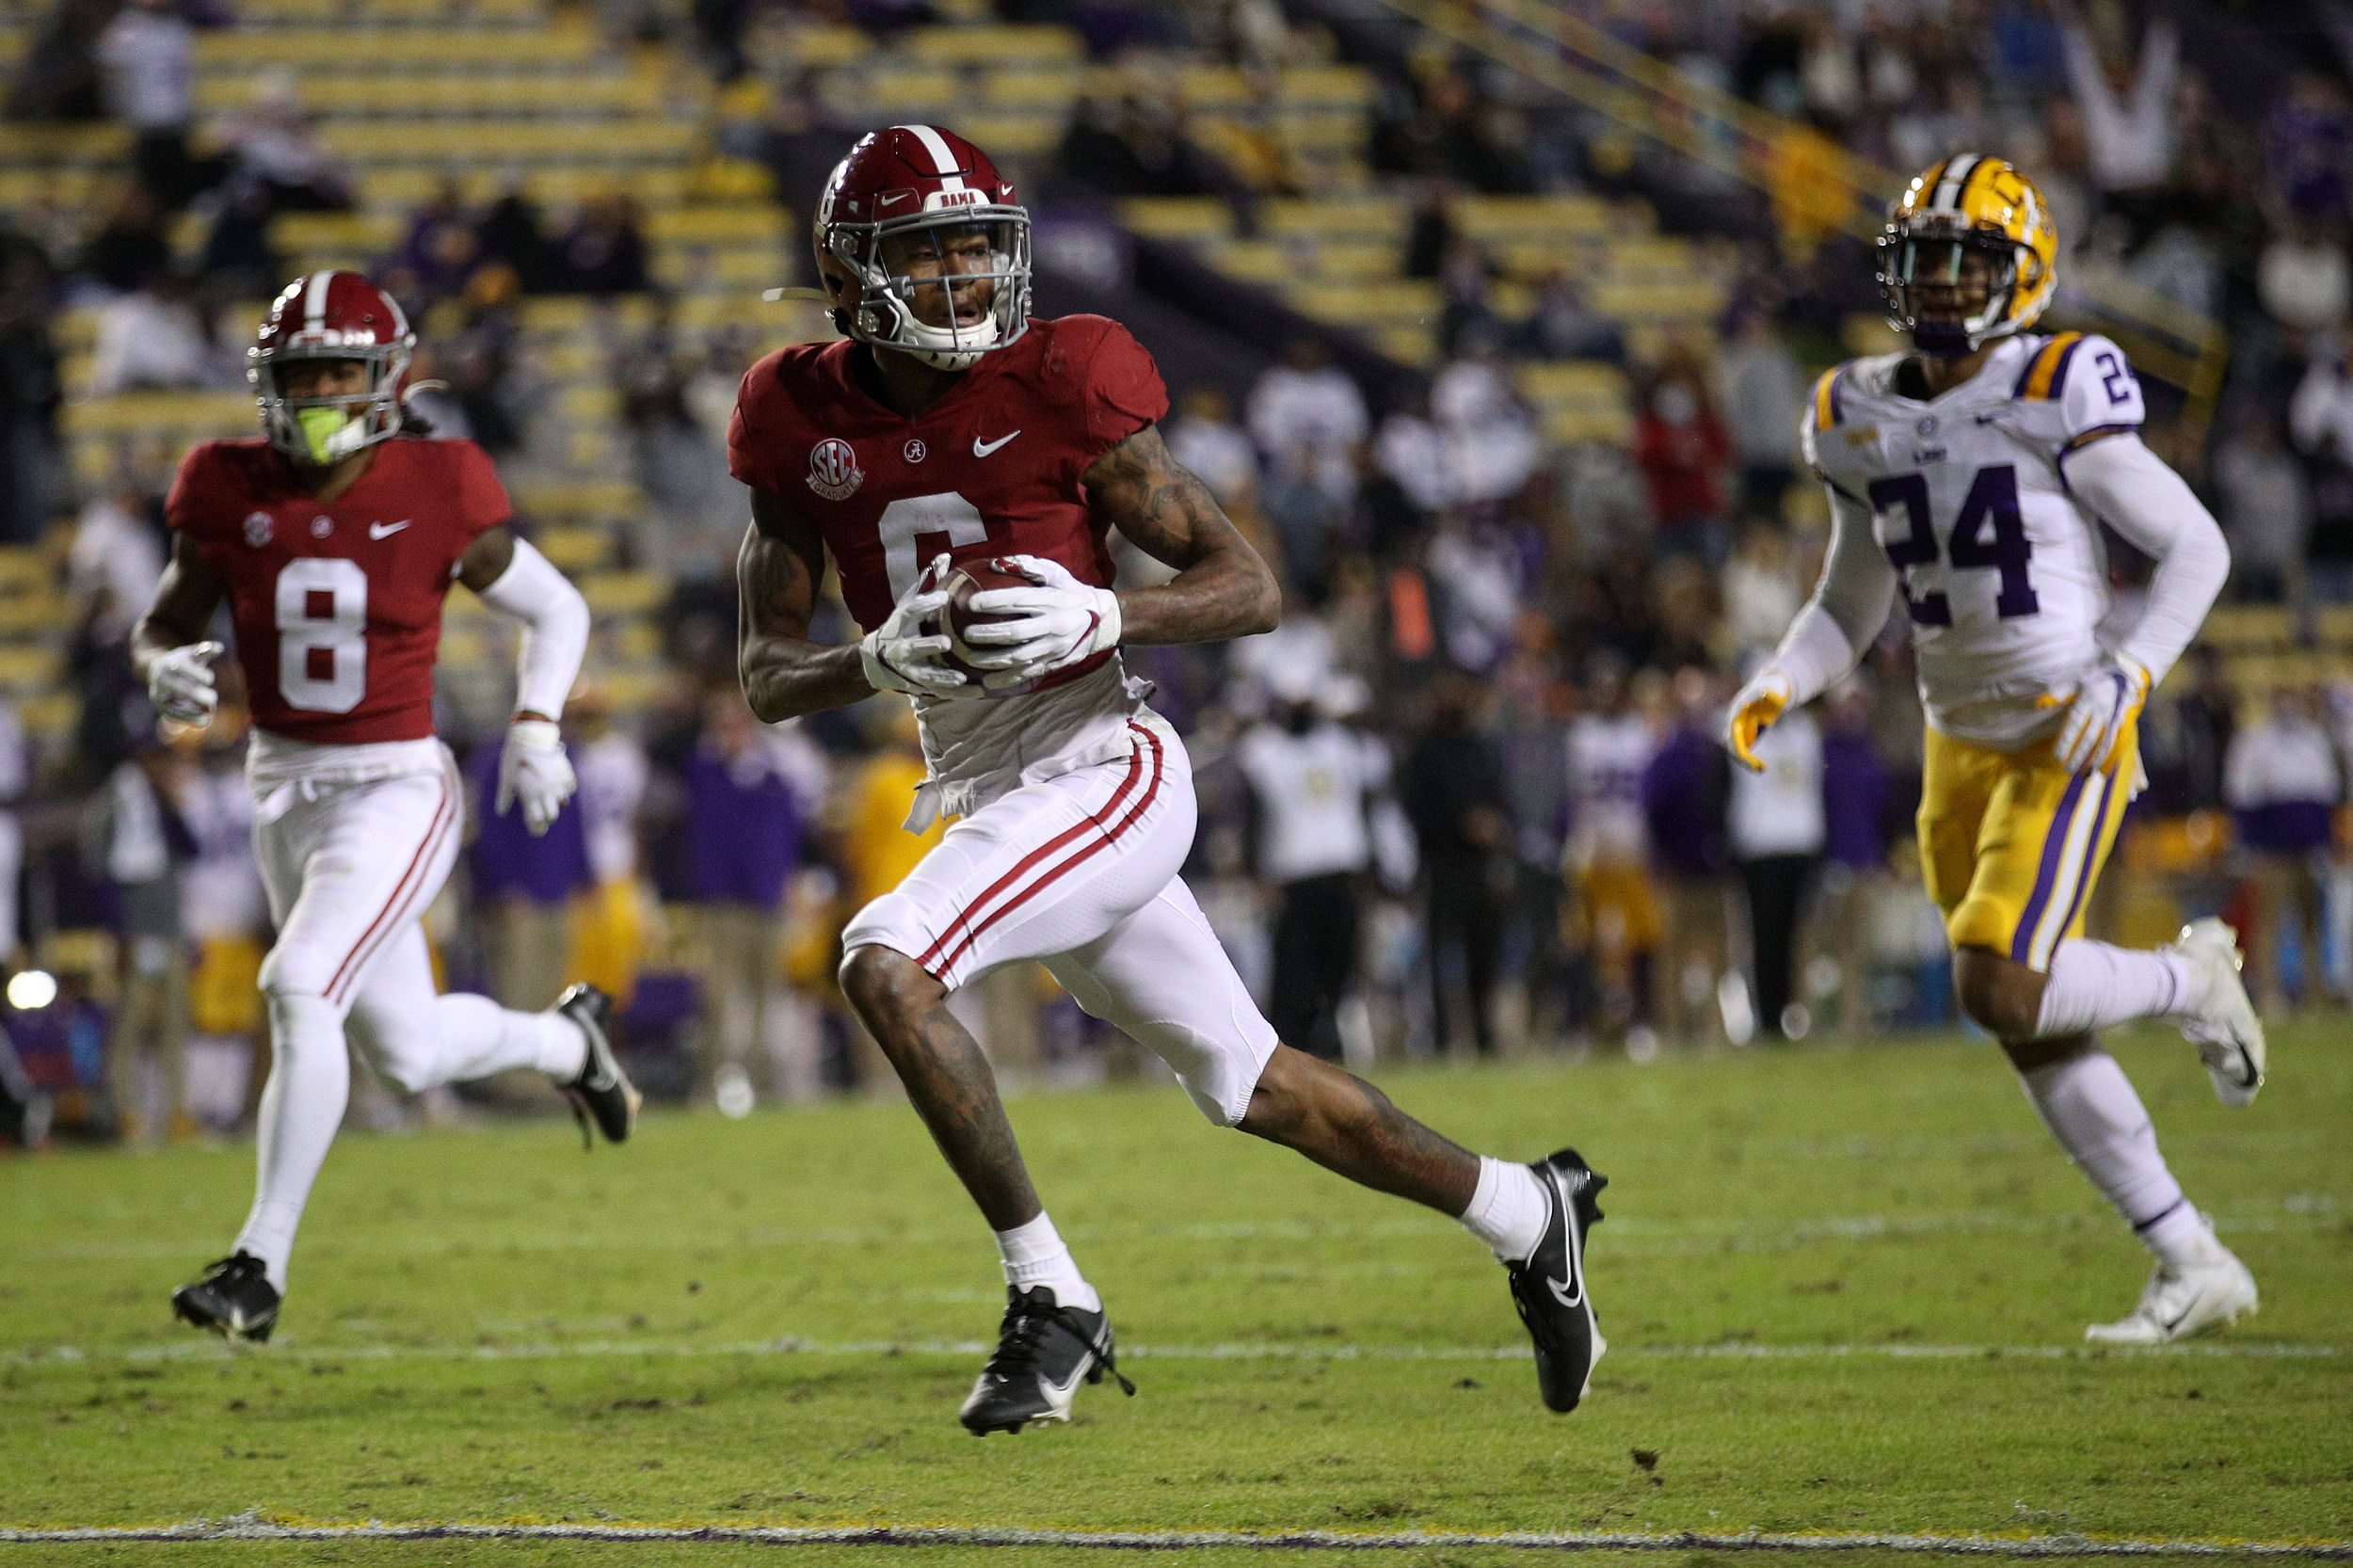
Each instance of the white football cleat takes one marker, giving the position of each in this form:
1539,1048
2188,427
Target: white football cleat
2223,1025
2177,1302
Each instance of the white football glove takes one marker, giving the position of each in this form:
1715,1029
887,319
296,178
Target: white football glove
532,770
2100,708
901,656
1062,621
179,683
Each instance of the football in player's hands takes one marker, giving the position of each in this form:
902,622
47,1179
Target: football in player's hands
960,583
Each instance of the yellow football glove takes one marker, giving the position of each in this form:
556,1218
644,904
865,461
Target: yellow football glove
1760,702
2100,712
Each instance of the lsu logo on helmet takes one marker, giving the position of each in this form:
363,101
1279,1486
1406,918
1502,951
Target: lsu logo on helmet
1966,204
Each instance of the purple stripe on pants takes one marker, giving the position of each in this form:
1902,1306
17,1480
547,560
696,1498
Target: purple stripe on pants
2047,873
2092,852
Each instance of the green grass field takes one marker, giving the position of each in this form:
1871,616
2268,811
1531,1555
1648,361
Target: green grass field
1845,1291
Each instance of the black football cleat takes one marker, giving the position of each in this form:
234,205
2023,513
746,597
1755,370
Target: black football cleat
1549,1288
234,1299
601,1093
1044,1352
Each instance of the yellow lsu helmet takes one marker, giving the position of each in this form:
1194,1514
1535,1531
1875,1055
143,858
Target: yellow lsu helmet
1969,203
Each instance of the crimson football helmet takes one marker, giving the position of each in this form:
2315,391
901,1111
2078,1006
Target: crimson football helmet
330,315
909,205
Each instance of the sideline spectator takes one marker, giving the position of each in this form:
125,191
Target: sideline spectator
1452,785
1609,748
1312,781
2320,422
603,253
116,558
1204,439
750,794
134,835
2264,510
1683,789
148,53
1683,451
1855,791
2283,779
1778,832
1762,390
2127,109
151,339
524,888
275,151
130,247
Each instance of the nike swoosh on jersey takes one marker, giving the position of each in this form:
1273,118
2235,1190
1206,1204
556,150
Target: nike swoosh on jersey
981,448
386,530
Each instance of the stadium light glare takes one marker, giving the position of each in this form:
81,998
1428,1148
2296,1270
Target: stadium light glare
32,989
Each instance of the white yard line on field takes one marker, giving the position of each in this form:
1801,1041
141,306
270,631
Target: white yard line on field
1634,1235
195,1349
250,1528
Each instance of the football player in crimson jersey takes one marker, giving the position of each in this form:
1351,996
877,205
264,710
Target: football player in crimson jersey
333,538
953,427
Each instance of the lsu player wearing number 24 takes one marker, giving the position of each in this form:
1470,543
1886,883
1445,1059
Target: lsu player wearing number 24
1968,477
334,537
951,427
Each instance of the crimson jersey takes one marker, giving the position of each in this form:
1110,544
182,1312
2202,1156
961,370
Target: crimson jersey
991,469
337,605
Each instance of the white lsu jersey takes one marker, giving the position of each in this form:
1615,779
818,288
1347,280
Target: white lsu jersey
2001,571
1607,754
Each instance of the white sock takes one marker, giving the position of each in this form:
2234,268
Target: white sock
1509,1211
2092,986
1034,1255
2089,1106
310,1082
478,1037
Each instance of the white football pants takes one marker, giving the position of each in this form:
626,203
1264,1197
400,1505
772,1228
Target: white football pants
1079,871
350,868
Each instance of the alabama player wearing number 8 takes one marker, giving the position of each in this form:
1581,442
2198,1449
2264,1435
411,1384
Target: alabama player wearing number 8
333,538
953,427
1968,478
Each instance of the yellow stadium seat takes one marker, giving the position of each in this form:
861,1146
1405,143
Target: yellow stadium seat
135,413
900,91
994,46
1177,217
624,593
575,550
831,45
1255,262
1503,216
1400,303
1013,136
580,500
27,665
1038,91
1413,346
2234,626
30,142
1345,88
707,225
1361,220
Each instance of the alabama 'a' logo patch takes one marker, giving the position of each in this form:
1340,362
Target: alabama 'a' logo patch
258,529
833,470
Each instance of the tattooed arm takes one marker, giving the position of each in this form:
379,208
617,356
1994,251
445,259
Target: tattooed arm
1221,588
777,574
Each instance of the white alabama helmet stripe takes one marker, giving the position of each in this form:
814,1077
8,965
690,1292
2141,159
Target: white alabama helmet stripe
1948,189
314,300
943,161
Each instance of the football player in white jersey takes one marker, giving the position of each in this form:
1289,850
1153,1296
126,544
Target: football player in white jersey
1968,477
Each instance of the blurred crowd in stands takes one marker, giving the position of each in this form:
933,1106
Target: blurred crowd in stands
1469,797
